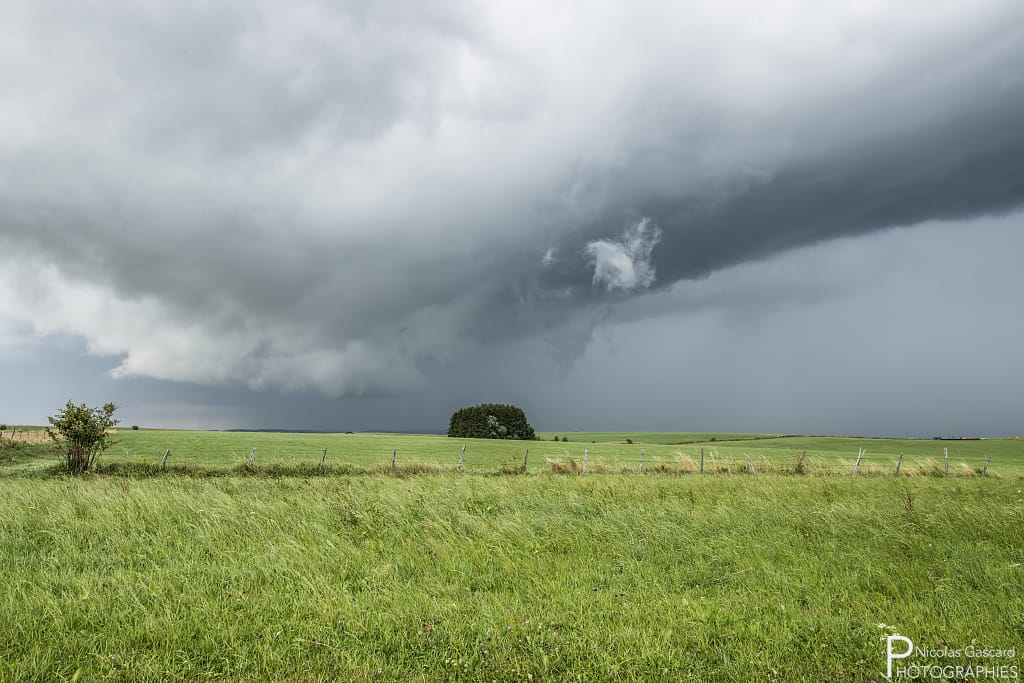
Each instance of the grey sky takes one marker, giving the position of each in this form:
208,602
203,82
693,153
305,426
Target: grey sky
622,215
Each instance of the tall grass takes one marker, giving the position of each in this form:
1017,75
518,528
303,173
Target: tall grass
540,577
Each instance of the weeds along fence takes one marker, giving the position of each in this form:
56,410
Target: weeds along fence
578,459
710,461
20,436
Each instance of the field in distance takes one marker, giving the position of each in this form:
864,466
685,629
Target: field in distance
605,452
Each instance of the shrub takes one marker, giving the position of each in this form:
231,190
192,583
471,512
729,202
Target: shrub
629,441
565,439
556,437
81,432
490,421
135,428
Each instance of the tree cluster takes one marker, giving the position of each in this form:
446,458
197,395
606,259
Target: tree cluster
490,421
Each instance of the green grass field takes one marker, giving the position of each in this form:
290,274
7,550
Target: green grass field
607,452
499,578
212,571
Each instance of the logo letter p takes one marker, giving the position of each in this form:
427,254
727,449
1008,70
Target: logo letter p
890,655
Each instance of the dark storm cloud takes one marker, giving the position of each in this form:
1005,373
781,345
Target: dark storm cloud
327,197
948,152
903,333
952,172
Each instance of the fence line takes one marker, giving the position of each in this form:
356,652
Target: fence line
731,463
856,465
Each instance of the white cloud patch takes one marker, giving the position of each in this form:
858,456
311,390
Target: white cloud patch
156,341
625,264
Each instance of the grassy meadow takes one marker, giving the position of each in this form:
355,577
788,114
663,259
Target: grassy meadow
677,452
432,578
210,570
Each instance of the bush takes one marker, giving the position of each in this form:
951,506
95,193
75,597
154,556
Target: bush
81,432
135,428
565,439
629,441
490,421
556,437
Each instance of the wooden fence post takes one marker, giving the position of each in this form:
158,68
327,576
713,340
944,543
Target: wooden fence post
461,454
945,456
856,465
252,454
163,463
800,465
641,461
898,464
394,455
586,453
322,458
750,465
984,471
525,456
702,460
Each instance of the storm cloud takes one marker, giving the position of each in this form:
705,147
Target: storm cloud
331,197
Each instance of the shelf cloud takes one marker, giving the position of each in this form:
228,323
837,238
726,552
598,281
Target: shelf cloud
329,197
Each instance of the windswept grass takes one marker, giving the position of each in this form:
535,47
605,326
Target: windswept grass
470,578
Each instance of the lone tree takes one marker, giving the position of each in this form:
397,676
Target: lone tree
81,433
490,421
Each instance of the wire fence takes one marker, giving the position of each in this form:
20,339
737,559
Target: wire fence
577,460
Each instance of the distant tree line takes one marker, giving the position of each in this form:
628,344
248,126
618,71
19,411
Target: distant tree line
491,421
